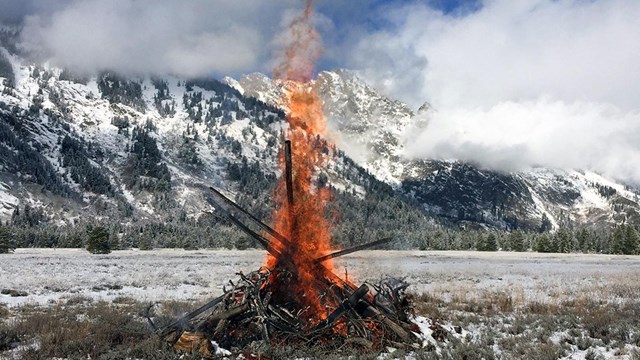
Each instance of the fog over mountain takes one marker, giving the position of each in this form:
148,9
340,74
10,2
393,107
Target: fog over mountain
516,84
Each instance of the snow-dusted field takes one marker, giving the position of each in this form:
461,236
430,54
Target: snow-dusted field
48,275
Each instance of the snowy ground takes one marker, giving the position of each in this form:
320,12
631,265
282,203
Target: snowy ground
47,275
504,305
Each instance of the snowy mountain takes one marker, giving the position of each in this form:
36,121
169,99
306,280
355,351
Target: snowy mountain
135,151
372,129
110,147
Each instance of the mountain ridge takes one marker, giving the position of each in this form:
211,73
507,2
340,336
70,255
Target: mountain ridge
148,144
507,200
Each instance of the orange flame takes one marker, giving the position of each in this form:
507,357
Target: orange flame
303,222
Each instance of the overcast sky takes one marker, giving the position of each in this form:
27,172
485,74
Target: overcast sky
516,83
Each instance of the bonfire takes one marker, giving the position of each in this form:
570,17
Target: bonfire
296,298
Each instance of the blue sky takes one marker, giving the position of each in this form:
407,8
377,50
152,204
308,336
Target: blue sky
368,16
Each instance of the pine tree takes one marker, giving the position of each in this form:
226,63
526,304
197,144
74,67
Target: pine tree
190,244
98,241
487,243
516,241
617,240
6,245
631,241
543,244
545,224
563,241
492,243
585,243
145,243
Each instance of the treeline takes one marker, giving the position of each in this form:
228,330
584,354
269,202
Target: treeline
210,231
623,239
19,154
118,89
206,232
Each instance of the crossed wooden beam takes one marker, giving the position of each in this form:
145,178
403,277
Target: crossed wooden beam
352,295
266,243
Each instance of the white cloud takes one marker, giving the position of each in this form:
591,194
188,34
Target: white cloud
143,36
518,83
511,50
513,136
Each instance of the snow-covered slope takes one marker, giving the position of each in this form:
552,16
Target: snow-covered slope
372,129
144,148
136,148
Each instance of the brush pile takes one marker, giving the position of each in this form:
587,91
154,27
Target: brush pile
299,301
249,319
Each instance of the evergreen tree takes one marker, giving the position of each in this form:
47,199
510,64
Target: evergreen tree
544,244
487,243
6,245
516,241
190,244
145,243
584,241
492,243
617,240
563,241
98,241
545,224
632,241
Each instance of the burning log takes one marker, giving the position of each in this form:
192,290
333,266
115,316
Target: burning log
346,305
296,298
247,313
288,171
354,249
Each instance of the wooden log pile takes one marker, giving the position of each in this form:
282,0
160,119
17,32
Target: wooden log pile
247,319
256,312
299,301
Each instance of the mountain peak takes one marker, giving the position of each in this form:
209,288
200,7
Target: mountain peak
425,108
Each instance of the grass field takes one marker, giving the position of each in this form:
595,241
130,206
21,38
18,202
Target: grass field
70,304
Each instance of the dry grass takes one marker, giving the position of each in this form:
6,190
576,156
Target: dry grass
77,328
97,331
540,317
568,322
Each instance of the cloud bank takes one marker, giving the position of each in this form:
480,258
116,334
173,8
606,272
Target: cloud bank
508,50
188,38
513,136
518,83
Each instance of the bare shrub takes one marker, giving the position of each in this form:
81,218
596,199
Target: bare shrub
428,305
504,302
592,355
78,332
9,337
598,324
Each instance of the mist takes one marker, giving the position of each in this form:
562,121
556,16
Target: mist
187,38
514,136
517,84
